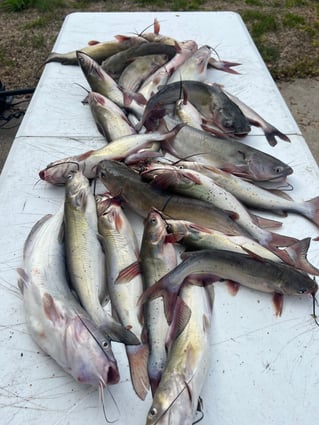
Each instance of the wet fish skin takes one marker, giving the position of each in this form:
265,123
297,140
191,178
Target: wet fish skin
176,398
212,265
110,120
121,255
84,255
210,100
236,158
115,64
98,51
194,68
157,257
134,75
58,171
55,319
141,197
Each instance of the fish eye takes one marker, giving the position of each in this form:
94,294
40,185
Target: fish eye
302,291
105,344
153,411
102,173
278,170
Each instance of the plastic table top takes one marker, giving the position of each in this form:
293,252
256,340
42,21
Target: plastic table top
263,369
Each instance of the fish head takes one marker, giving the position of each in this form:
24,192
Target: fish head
171,405
155,227
109,211
90,354
57,172
230,119
267,168
76,186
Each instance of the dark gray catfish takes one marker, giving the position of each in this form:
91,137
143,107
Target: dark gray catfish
213,265
210,100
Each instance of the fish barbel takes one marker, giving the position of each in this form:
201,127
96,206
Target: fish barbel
55,319
84,255
212,265
121,256
157,258
176,398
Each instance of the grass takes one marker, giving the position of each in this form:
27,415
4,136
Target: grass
268,23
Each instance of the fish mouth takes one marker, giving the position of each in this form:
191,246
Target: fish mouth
113,376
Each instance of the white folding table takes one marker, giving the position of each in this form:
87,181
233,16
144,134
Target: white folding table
264,369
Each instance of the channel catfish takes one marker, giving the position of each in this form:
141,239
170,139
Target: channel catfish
121,180
98,51
157,257
121,255
250,271
85,258
55,319
176,398
58,171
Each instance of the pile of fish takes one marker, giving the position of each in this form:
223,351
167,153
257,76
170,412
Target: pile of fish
175,157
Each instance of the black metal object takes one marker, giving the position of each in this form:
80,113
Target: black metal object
8,111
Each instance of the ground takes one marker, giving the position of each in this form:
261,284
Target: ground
285,31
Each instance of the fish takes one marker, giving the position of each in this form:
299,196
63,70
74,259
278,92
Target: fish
55,319
122,181
210,100
84,256
258,197
115,64
109,118
256,120
157,257
134,74
194,68
103,83
236,158
195,184
98,51
58,171
176,398
196,237
253,272
151,85
121,257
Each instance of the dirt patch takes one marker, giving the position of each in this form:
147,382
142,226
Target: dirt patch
287,37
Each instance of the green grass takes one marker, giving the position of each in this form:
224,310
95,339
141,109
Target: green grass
291,20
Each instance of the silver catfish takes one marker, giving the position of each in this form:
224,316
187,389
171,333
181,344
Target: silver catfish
55,319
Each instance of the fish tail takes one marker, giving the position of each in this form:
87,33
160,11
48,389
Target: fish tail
313,210
138,356
298,254
272,132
